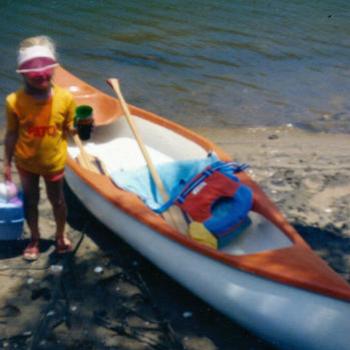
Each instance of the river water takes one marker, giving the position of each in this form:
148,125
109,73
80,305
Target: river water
212,63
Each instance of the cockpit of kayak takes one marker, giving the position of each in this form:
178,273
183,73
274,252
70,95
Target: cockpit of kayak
177,159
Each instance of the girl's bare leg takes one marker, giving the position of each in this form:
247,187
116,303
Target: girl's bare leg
54,190
30,186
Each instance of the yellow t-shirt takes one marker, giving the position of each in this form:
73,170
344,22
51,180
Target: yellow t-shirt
42,127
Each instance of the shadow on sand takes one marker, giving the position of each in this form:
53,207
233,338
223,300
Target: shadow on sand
329,245
187,321
14,249
128,304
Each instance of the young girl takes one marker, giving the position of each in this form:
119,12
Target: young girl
39,117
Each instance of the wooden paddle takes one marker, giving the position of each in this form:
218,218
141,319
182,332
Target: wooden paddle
173,215
87,160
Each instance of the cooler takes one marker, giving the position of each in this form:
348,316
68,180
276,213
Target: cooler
11,219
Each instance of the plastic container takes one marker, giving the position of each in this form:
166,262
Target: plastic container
11,212
84,121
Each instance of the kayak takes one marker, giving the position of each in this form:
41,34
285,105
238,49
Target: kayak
267,278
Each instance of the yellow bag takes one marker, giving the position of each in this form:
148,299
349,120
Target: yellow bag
197,231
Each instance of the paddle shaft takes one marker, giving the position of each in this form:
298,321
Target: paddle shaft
175,218
84,156
115,85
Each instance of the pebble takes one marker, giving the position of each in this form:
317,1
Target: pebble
198,343
313,184
98,269
56,268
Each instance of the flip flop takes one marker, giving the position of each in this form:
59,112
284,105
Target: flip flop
63,245
32,251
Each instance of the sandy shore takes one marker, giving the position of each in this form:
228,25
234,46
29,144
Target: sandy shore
109,297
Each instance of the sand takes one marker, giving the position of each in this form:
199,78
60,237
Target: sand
110,297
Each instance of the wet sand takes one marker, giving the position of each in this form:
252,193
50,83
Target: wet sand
110,297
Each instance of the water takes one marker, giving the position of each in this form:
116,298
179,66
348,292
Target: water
220,63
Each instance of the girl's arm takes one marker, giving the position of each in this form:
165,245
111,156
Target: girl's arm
10,143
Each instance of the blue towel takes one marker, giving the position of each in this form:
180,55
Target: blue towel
174,176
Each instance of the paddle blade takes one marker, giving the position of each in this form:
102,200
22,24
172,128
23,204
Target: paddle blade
174,217
94,164
114,84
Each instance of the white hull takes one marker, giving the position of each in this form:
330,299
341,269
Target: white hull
288,317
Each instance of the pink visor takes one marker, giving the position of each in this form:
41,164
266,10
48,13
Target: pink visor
38,64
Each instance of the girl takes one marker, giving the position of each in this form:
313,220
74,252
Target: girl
39,116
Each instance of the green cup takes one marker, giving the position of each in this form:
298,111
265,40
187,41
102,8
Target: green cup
83,121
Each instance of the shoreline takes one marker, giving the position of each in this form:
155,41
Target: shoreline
130,304
295,165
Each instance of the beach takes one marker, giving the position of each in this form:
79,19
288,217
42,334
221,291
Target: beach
106,296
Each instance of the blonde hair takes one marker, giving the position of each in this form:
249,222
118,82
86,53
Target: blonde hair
40,40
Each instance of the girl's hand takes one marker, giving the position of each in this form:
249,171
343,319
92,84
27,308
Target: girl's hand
7,172
73,131
70,131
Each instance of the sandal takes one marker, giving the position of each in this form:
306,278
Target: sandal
63,245
32,251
